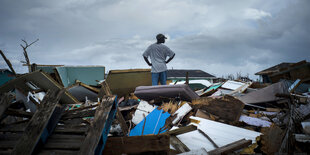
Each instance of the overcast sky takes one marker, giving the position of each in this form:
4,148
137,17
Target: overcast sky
218,37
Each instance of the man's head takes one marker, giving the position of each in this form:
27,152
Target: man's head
160,38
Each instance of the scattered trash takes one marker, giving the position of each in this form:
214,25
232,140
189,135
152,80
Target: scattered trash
77,110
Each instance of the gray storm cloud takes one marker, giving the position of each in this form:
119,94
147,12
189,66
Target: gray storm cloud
220,38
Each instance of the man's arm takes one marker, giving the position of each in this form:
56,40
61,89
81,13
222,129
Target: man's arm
147,61
170,59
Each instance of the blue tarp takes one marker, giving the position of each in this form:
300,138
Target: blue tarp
154,122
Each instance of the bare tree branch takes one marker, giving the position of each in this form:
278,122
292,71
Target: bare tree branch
25,52
33,42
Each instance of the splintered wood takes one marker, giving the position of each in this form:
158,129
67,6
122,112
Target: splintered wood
271,139
137,144
170,107
227,108
37,124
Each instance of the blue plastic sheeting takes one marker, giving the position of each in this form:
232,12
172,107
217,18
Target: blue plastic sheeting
154,122
86,74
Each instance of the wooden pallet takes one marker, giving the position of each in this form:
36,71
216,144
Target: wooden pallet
51,130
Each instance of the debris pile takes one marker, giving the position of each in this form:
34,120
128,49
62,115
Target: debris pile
57,111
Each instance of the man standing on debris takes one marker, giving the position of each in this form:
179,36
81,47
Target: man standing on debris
158,54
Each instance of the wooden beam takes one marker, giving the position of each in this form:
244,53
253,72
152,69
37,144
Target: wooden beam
178,145
79,109
15,127
181,130
52,123
40,79
97,135
38,123
40,65
69,142
96,90
4,103
121,121
104,90
8,62
227,107
137,144
78,129
18,113
293,87
79,114
58,152
229,148
186,79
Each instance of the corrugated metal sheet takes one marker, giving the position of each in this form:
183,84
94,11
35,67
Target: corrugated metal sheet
232,85
222,134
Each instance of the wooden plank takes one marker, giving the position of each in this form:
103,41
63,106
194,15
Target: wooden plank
96,137
128,107
74,121
78,129
66,136
121,121
7,144
137,144
15,127
202,114
40,65
79,114
64,144
8,62
229,148
104,90
181,130
4,103
58,152
9,136
40,79
52,123
178,145
79,83
37,124
293,87
96,90
79,109
18,113
227,108
8,152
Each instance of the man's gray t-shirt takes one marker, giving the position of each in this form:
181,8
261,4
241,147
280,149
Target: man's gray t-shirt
158,54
